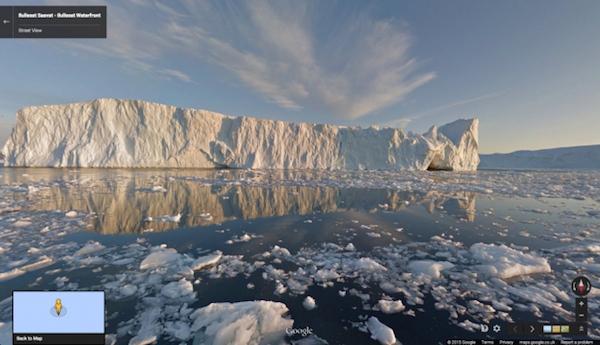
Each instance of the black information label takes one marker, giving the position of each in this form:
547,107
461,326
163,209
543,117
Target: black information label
58,339
522,342
52,21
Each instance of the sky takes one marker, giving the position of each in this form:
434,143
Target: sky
527,69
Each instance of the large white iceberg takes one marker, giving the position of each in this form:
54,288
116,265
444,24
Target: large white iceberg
115,133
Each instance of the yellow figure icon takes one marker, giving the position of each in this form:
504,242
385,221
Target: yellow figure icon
58,306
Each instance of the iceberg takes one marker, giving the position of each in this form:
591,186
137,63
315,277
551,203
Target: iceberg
113,133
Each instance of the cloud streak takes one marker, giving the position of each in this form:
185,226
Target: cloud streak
403,121
295,54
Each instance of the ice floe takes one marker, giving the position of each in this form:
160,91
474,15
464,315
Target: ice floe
309,303
252,323
429,268
506,262
390,307
380,332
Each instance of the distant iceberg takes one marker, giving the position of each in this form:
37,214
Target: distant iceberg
112,133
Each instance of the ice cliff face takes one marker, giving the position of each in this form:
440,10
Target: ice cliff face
114,133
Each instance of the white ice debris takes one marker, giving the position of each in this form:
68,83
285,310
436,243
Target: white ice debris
166,136
128,290
429,268
71,214
179,330
160,257
381,332
207,260
89,248
21,223
15,272
242,238
390,307
180,288
252,323
149,327
309,303
367,265
506,262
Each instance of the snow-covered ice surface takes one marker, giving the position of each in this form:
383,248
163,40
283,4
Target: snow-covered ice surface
253,253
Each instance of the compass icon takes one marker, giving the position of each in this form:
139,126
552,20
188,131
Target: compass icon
581,286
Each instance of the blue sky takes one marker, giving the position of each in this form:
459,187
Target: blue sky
528,69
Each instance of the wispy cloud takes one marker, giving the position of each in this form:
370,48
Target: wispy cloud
403,121
295,54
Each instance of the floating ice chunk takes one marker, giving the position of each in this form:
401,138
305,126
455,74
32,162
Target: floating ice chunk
469,325
15,272
368,265
32,250
127,290
207,260
178,289
61,281
429,267
350,247
245,238
22,223
324,275
280,251
178,329
89,248
149,327
122,262
161,257
593,248
110,339
242,238
506,262
71,214
380,332
390,307
591,267
309,303
252,323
